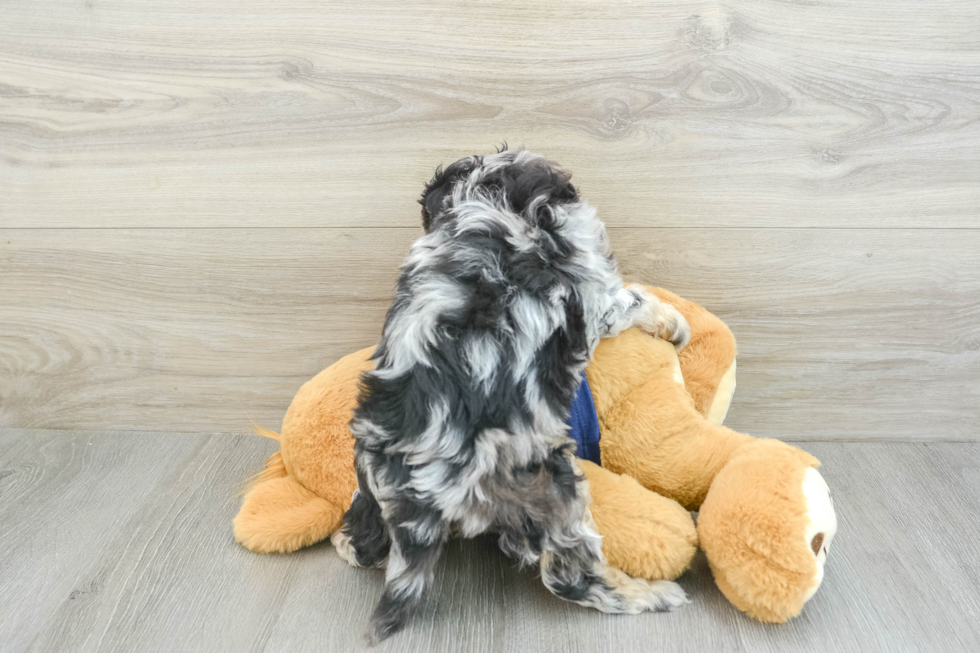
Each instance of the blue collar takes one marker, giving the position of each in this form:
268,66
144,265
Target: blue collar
584,424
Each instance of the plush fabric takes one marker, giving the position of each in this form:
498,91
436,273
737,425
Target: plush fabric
317,453
750,523
644,534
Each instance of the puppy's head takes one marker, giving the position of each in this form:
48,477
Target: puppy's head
524,183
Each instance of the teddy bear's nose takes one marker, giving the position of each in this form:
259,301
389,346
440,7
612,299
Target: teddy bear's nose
816,543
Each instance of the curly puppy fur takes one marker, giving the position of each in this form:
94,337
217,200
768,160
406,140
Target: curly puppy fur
461,426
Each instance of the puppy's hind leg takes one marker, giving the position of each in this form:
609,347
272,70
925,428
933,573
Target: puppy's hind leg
576,570
418,533
363,539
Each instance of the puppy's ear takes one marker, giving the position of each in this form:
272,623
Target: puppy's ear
435,197
525,184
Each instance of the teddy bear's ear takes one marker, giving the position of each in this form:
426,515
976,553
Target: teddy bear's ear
281,515
708,361
718,409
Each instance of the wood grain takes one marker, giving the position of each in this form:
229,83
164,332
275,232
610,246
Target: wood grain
332,113
843,334
122,541
203,205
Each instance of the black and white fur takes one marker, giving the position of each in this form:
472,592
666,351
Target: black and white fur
461,426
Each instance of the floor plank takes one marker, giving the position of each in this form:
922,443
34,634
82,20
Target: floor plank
121,541
843,334
311,114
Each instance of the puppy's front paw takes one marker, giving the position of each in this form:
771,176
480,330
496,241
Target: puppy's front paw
659,318
676,329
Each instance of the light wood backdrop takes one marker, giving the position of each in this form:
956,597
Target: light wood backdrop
204,203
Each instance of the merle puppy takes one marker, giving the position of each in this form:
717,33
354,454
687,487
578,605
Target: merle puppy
461,426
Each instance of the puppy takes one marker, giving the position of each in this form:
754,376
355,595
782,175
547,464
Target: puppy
462,425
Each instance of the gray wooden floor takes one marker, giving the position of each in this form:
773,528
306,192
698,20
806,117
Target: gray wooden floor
121,541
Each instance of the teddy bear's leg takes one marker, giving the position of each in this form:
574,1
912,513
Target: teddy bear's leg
280,516
644,534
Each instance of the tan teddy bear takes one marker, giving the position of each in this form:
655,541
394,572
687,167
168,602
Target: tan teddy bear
765,522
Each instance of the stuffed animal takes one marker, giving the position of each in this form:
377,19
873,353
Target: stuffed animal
766,519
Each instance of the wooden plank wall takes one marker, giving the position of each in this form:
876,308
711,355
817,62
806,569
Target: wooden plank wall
203,204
